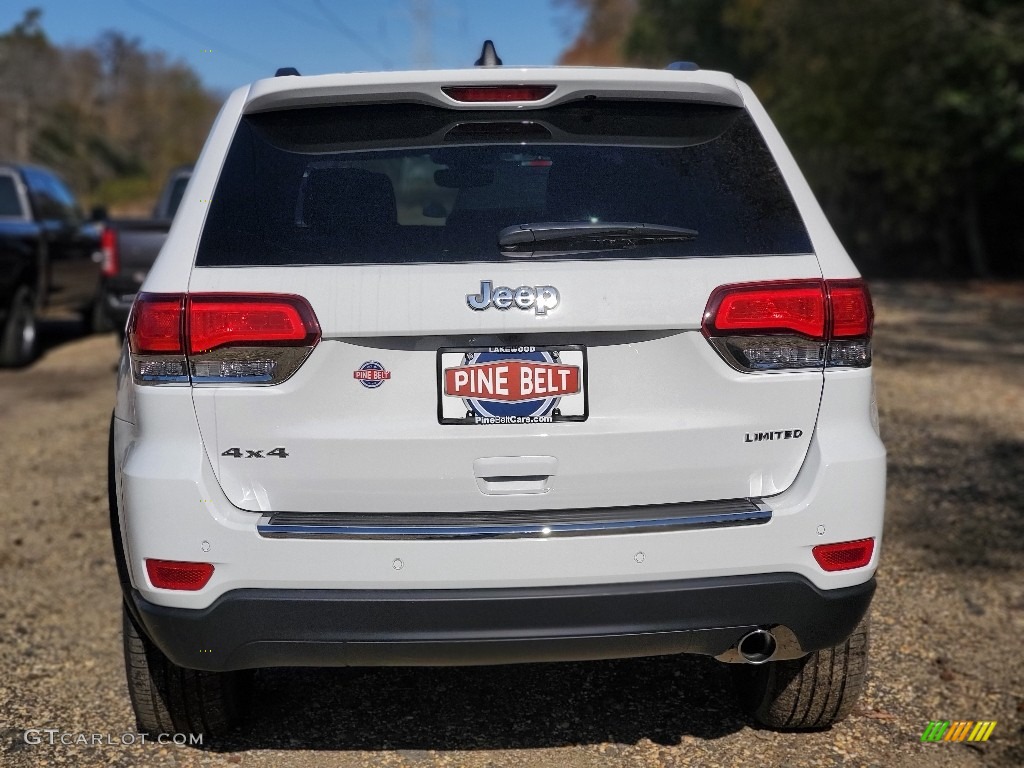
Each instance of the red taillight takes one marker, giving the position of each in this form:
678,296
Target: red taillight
844,556
175,574
220,338
109,248
156,324
497,93
786,325
768,308
219,320
852,313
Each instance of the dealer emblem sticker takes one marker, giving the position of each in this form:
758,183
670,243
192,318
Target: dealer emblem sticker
371,374
512,385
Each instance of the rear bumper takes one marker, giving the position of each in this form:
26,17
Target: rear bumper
250,628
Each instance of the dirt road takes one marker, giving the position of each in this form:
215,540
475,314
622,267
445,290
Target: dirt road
948,616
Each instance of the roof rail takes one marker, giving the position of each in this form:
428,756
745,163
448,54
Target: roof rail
286,71
488,56
683,66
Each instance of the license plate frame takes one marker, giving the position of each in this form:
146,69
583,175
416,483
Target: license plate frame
544,364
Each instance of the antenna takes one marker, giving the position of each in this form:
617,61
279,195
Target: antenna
488,56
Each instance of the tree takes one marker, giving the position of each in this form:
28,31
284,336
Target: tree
27,61
605,27
112,118
906,115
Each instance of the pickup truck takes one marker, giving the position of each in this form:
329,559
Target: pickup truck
49,257
130,246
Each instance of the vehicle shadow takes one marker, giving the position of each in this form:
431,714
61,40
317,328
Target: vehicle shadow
55,333
525,706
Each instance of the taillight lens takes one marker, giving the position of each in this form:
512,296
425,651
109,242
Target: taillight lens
156,323
175,574
852,313
155,337
497,93
269,320
762,309
109,248
844,556
220,338
791,325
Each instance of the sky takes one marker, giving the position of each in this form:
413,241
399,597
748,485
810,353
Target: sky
233,42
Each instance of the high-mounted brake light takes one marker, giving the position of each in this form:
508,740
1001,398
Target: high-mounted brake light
497,93
111,264
844,556
175,574
791,325
222,338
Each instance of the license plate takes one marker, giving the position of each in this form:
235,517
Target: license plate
511,385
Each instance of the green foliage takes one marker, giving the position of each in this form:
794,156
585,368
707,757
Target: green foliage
906,115
112,118
127,191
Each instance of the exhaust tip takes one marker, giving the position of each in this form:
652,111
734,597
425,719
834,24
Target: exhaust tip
758,646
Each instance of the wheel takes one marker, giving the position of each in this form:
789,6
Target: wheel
96,319
810,693
171,699
18,338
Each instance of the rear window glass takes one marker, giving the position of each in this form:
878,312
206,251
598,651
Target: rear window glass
411,183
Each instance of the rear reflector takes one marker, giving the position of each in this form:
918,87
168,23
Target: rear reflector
787,325
497,93
174,574
844,556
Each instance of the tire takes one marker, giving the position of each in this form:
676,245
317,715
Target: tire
19,334
171,699
96,319
813,692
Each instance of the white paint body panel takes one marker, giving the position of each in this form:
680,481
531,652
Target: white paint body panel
668,418
667,424
176,504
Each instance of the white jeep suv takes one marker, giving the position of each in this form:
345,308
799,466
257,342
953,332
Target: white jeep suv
496,365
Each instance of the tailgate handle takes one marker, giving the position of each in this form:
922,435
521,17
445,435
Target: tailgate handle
505,475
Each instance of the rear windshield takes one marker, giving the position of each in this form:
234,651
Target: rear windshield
409,183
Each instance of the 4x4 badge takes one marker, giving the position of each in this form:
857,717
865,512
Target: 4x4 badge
540,298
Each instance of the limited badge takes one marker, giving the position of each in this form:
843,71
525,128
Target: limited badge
371,374
512,385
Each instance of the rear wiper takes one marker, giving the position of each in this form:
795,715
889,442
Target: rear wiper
587,235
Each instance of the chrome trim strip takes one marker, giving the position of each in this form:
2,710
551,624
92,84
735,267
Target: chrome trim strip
518,524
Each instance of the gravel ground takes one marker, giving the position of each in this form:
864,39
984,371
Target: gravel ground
948,617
